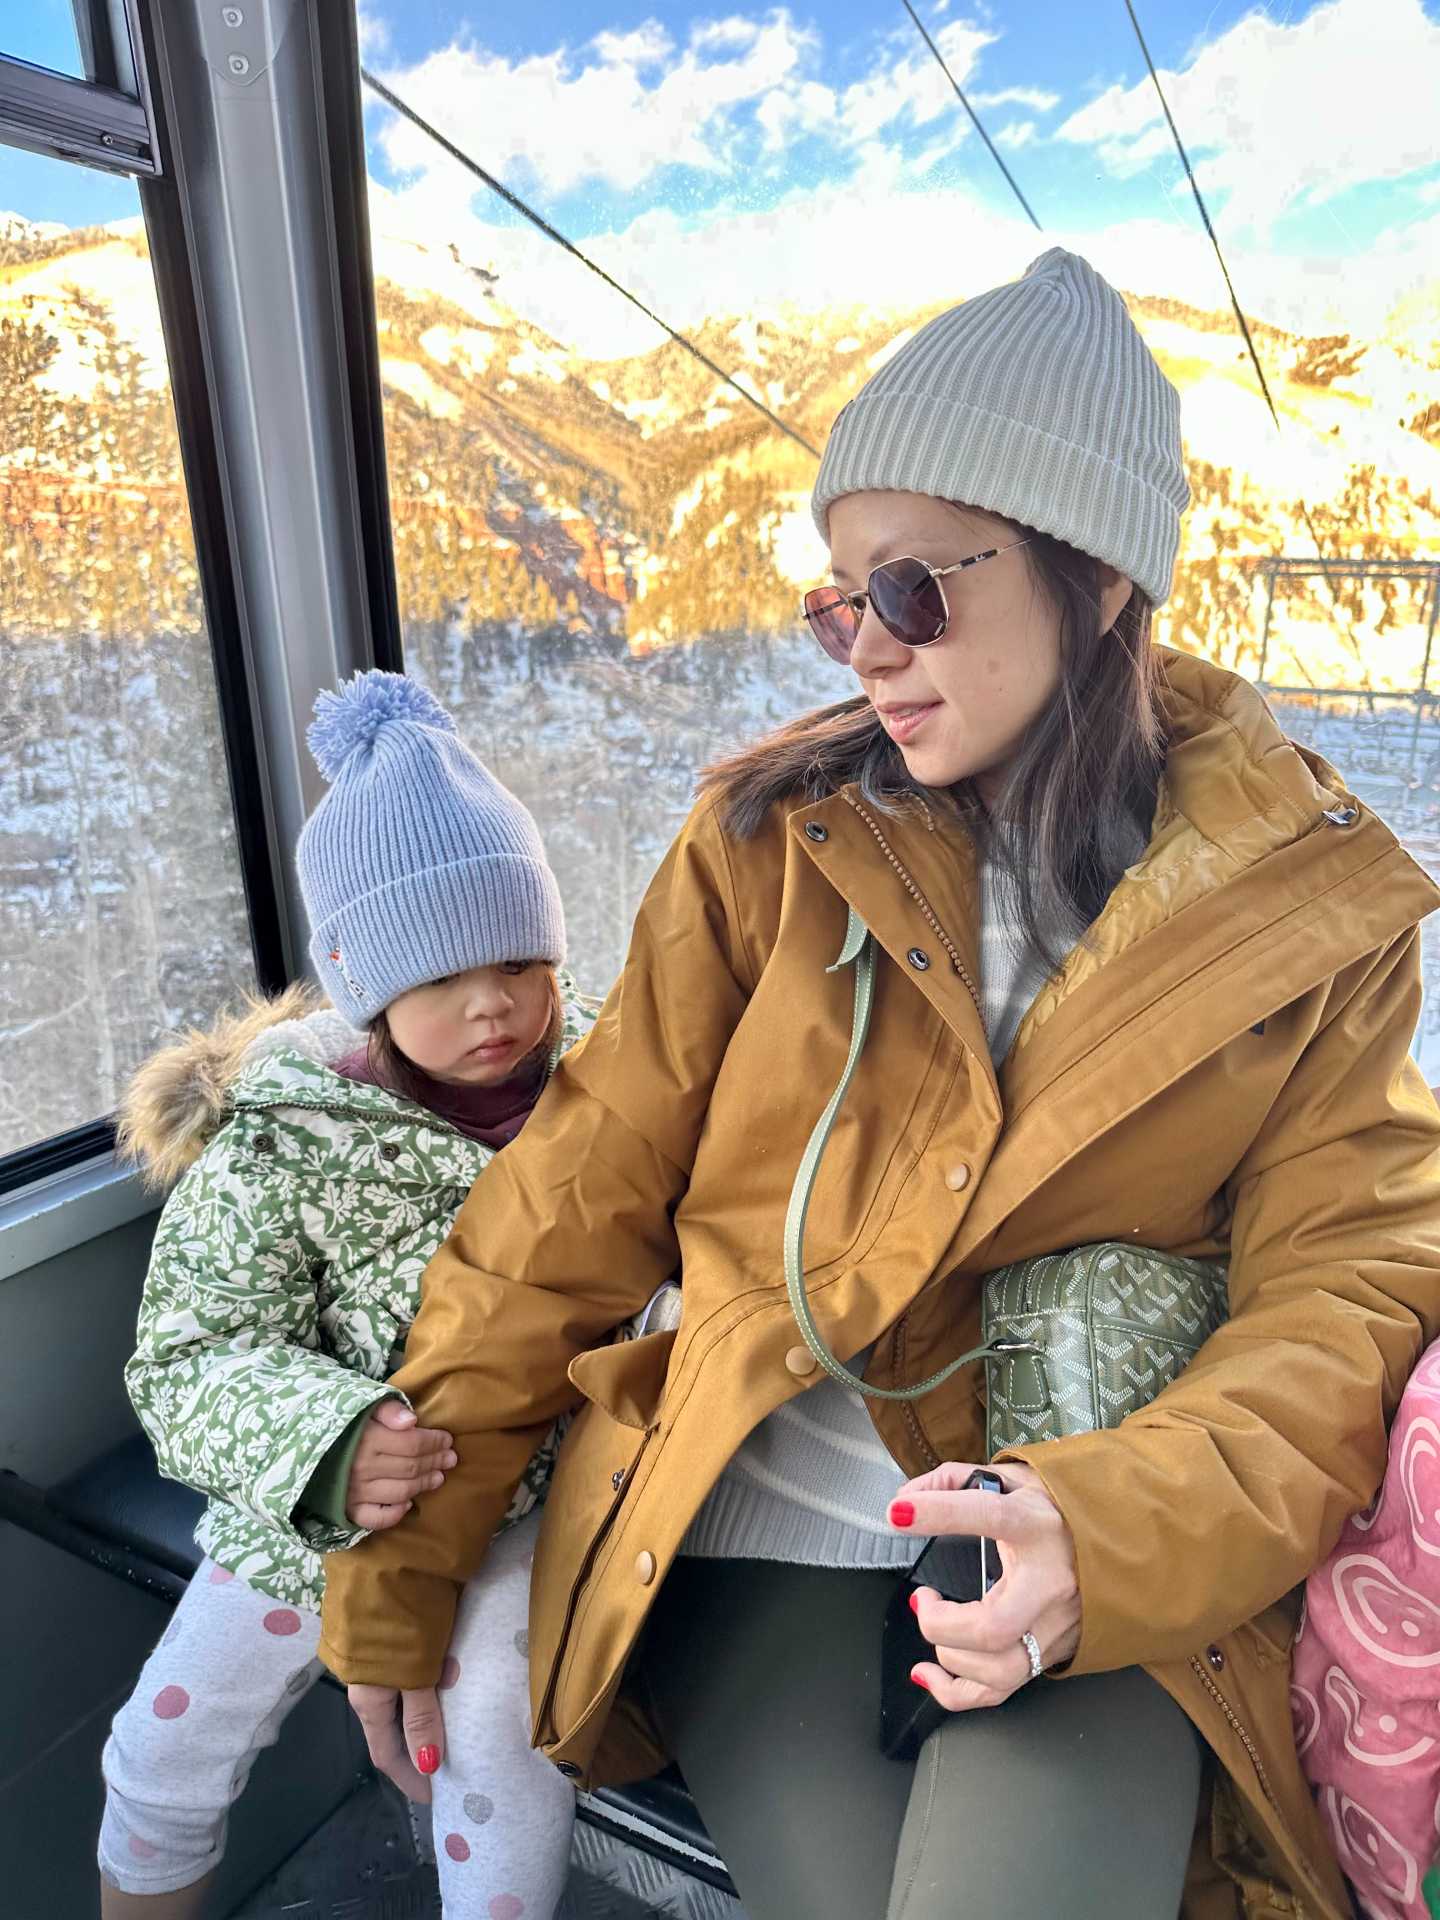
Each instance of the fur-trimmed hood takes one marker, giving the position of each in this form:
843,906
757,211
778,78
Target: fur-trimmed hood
178,1099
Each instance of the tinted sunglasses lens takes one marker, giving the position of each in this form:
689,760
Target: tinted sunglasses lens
908,602
832,621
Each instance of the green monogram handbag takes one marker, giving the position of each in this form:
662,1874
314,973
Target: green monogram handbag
1071,1341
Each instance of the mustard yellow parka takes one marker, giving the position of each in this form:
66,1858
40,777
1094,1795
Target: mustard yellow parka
1220,1069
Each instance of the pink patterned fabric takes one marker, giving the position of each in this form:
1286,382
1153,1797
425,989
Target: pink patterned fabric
1366,1681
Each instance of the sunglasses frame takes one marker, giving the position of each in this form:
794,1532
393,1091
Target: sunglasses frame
857,602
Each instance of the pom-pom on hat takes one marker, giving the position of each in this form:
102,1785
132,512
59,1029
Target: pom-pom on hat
1038,402
417,863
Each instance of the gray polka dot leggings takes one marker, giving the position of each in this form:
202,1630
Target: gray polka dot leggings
234,1662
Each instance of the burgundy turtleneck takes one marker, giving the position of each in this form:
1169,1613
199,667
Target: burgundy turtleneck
492,1115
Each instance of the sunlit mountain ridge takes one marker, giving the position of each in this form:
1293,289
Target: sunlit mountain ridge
644,499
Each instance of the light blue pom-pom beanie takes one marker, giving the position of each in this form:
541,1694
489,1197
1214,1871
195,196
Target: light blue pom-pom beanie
1038,402
417,863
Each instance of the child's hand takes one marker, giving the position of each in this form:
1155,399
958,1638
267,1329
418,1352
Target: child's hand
395,1462
405,1733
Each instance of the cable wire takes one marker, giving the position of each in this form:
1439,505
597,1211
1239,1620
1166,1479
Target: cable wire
1204,212
1219,255
1010,179
402,107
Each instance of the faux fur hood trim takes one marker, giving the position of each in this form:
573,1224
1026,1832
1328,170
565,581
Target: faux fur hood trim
178,1099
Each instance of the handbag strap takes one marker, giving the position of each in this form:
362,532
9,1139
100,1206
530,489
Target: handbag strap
859,952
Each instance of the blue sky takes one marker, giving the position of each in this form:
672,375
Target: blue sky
645,124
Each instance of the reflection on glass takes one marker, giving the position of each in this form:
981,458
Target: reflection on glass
121,913
42,32
600,545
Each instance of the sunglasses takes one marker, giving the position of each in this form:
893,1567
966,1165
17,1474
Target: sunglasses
906,596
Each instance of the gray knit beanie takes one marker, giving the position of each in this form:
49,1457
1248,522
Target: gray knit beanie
1038,402
417,863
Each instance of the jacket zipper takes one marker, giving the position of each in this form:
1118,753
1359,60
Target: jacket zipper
337,1111
932,920
1248,1746
1236,1728
931,917
582,1575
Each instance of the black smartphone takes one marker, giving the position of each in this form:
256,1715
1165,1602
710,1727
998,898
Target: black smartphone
958,1567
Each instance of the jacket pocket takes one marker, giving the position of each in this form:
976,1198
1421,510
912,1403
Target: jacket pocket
1272,1633
627,1379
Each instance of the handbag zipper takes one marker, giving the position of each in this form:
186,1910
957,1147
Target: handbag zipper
931,918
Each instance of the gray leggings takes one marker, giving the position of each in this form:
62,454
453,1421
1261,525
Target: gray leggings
1077,1797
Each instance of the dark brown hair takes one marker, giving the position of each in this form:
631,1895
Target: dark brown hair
397,1072
1079,800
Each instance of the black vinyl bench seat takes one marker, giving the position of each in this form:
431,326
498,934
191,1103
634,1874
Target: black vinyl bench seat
121,1516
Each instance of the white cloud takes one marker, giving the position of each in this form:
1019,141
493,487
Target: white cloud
788,112
913,89
906,91
373,32
1278,115
1019,133
615,117
630,104
645,47
1036,98
736,32
801,257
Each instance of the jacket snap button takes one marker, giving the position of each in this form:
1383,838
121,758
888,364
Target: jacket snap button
617,1478
958,1178
645,1567
918,959
568,1768
264,1143
814,831
389,1151
1216,1658
800,1361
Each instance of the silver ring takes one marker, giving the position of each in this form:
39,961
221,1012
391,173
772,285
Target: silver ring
1032,1647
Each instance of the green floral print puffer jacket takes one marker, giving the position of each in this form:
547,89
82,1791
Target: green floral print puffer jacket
285,1270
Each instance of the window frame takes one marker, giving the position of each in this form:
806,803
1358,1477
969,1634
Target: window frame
107,121
111,129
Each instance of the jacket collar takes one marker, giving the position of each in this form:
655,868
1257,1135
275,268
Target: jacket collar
285,1078
873,860
1263,879
1229,770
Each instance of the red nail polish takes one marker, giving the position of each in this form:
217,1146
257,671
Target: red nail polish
428,1759
902,1513
920,1681
915,1600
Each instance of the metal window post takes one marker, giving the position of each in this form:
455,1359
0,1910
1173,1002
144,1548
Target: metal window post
1434,599
244,95
1265,631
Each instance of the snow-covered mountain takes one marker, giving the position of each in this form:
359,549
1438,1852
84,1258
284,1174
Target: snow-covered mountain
643,498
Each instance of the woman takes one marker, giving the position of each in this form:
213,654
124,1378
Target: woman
1147,973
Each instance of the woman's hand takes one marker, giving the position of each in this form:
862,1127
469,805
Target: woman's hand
979,1658
405,1733
395,1462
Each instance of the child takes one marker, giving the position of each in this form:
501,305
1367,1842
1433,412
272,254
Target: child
324,1169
